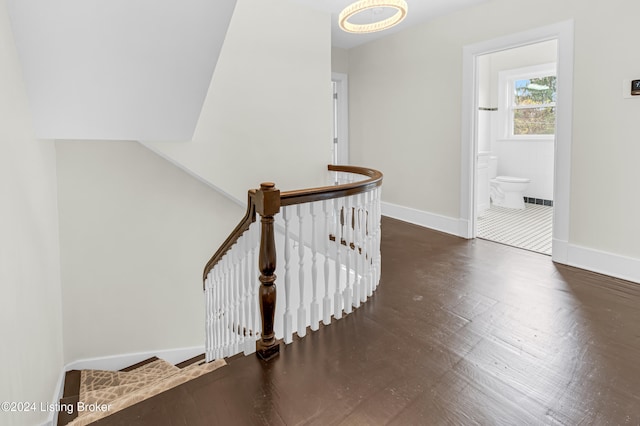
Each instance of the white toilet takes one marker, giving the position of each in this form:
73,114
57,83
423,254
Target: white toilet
506,191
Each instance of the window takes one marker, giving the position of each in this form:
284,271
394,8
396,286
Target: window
529,102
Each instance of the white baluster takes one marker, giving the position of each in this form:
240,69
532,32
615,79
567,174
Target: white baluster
240,293
235,291
232,301
220,271
378,235
362,253
222,276
249,346
315,306
216,306
217,300
339,226
217,317
257,322
302,312
253,284
348,291
356,251
288,318
326,301
230,309
367,236
225,294
208,318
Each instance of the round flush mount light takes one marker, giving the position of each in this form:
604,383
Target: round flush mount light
360,6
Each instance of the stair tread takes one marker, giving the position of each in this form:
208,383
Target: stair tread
140,364
71,383
71,394
190,361
64,416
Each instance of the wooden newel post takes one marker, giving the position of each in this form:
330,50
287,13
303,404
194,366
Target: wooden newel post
267,205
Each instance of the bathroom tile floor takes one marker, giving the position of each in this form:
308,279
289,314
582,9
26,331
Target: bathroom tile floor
528,229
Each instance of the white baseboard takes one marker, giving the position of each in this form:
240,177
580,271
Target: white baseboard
560,251
418,217
52,419
614,265
118,362
623,267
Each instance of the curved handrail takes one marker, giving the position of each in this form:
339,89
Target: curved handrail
298,196
241,228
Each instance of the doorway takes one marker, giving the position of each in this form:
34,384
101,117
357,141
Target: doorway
340,139
515,140
563,34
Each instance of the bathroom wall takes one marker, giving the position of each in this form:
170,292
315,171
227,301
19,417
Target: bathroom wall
486,102
533,159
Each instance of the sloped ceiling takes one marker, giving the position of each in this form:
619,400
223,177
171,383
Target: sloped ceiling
118,69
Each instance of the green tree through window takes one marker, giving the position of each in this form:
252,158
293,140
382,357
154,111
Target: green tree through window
534,106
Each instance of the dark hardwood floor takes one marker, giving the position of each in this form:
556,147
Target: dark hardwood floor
459,332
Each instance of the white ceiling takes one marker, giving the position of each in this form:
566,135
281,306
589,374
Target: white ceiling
419,11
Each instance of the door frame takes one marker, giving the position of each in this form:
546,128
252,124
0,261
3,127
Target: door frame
342,88
563,33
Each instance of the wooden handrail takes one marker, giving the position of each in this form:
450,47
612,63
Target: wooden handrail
298,196
241,228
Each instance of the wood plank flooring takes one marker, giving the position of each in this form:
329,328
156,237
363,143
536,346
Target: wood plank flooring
458,333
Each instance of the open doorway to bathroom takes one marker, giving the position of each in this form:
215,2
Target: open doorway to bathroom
563,33
515,139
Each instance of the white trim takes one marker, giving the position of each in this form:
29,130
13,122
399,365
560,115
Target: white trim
58,391
438,222
563,33
560,250
117,362
506,107
615,265
342,86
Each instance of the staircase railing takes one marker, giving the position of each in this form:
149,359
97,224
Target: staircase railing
338,263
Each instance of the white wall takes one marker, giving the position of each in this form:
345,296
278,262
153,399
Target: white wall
339,60
267,116
135,234
528,159
30,306
405,112
533,159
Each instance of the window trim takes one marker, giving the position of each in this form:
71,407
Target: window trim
506,96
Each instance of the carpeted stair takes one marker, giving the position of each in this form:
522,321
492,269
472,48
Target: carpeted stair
95,394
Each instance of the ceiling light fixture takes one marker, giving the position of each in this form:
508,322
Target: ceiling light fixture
343,19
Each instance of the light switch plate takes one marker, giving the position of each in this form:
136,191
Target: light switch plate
626,89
